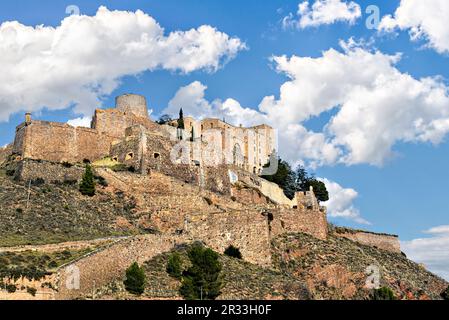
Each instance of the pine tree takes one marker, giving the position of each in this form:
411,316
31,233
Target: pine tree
202,279
135,279
174,266
87,186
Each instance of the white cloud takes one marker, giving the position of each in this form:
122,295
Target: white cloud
424,20
376,105
322,12
80,122
340,204
433,252
82,60
192,100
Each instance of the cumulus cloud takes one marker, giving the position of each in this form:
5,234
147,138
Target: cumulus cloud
432,251
374,107
80,122
322,12
340,204
425,20
192,100
82,60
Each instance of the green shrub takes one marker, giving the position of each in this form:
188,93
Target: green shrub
87,186
119,167
174,266
101,181
445,294
11,288
202,279
233,252
135,279
383,293
32,291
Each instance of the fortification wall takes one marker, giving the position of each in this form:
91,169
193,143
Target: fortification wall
43,292
114,122
246,230
110,264
58,142
381,241
49,171
300,220
5,152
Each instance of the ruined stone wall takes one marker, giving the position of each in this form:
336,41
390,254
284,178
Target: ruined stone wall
246,230
100,268
43,292
306,221
381,241
5,152
58,142
113,122
248,195
49,171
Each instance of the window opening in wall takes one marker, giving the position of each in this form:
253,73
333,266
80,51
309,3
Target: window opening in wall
156,155
129,156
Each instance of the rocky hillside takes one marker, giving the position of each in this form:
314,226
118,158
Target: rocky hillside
337,268
305,268
48,213
242,280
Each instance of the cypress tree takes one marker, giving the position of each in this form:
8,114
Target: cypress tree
87,186
181,120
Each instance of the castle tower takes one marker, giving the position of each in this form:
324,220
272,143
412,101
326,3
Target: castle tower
132,103
28,117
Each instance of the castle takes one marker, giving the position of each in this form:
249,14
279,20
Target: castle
209,142
200,183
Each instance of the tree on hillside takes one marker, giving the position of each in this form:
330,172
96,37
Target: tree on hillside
284,178
87,185
301,178
233,252
202,279
164,119
181,125
445,294
319,188
294,181
181,120
383,293
135,279
192,135
174,266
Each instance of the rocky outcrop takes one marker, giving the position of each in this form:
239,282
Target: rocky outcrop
339,268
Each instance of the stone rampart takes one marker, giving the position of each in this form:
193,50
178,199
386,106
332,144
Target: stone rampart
381,241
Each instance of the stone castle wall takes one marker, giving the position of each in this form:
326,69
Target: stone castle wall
246,230
58,142
313,222
110,264
381,241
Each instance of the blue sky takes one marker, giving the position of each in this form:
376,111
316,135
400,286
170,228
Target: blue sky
406,195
